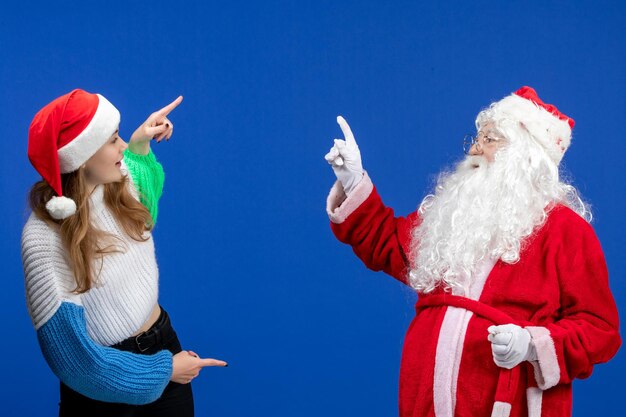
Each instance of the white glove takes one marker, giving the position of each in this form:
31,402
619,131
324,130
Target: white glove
511,345
345,158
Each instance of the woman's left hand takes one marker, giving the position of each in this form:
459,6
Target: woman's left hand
157,126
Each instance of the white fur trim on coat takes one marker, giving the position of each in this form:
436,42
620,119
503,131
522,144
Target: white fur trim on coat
534,398
339,207
501,409
547,370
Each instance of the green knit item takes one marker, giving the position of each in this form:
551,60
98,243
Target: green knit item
148,176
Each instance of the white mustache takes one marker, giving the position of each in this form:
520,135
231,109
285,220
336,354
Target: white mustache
472,162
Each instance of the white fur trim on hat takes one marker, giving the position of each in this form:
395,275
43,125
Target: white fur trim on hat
61,207
552,133
103,124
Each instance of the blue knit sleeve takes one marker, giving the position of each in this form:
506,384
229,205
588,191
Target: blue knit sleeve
100,372
96,371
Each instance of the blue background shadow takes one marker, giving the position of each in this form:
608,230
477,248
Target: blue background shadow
250,271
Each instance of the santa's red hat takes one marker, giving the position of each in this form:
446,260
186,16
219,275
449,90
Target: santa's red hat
63,135
547,125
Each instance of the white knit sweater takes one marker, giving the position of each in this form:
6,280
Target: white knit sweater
127,284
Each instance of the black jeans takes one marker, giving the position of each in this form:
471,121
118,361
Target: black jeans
176,400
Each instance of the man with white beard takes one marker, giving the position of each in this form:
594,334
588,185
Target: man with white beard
513,295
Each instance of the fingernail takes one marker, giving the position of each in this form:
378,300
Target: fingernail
225,365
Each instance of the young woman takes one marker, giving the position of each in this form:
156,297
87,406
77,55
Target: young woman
91,275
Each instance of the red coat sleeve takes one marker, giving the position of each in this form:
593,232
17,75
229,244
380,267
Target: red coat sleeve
379,238
587,329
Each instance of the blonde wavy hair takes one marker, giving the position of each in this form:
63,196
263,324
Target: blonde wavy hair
83,242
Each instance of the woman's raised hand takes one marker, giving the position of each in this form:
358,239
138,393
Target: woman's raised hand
157,126
345,158
187,365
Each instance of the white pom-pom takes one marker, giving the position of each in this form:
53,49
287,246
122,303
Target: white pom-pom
61,207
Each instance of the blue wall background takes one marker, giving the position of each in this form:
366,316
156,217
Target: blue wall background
250,271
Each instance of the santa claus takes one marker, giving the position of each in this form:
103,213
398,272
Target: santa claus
513,292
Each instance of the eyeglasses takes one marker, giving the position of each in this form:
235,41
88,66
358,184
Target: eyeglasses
471,140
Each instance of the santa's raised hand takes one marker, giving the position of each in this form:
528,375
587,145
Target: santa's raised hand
345,158
157,126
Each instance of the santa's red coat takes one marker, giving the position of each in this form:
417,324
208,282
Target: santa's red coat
558,290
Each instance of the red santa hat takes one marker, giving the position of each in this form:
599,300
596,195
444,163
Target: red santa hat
547,125
63,135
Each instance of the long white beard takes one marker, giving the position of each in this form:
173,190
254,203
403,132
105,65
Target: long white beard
481,209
